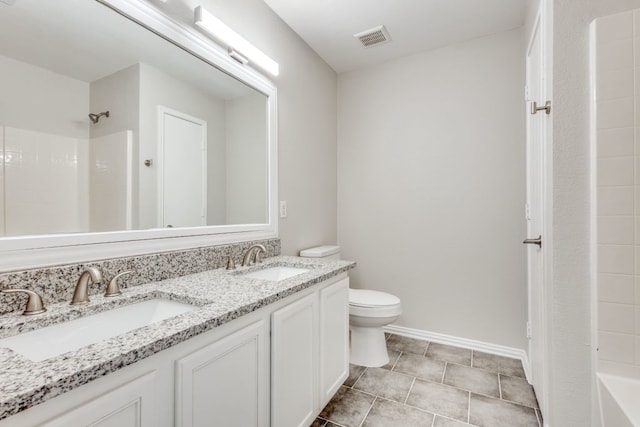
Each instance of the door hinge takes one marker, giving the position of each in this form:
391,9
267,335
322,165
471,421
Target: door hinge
527,212
528,330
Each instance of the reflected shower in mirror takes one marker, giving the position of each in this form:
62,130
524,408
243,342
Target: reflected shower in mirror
105,126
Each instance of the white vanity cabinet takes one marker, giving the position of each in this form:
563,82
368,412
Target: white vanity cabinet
277,366
334,339
226,382
129,405
309,353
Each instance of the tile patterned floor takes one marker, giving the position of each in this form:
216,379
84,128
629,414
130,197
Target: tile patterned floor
434,385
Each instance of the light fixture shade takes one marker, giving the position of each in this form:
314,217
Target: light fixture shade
234,41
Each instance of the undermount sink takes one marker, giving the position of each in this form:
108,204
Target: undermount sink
275,274
54,340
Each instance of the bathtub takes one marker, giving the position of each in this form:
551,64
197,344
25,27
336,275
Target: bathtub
619,401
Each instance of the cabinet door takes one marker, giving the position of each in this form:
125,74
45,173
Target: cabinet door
129,405
294,340
334,338
225,383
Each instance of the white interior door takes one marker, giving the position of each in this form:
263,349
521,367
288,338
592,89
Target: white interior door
182,181
535,209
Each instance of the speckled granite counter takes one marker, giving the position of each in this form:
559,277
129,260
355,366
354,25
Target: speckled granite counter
220,295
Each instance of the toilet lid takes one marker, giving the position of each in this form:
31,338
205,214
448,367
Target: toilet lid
369,298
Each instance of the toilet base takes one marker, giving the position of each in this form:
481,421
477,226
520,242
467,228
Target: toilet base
368,346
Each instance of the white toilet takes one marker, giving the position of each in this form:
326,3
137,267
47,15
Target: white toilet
369,311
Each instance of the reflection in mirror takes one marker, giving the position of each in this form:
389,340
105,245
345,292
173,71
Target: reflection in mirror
105,126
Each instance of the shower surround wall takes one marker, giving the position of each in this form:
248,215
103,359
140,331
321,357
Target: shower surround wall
41,139
617,71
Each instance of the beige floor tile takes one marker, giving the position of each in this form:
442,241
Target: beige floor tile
348,407
407,345
421,367
440,399
488,412
472,379
499,364
354,373
447,422
385,413
448,353
382,382
518,390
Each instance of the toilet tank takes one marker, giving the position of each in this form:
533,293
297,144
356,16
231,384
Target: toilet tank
326,252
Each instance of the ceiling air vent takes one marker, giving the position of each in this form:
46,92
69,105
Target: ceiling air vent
374,36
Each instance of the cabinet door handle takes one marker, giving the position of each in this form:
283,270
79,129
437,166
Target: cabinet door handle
536,241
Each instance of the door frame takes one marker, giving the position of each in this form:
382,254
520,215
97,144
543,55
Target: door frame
162,111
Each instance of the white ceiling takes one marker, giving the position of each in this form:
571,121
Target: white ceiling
328,26
86,40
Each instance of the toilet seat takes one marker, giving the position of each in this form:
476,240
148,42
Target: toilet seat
369,298
369,303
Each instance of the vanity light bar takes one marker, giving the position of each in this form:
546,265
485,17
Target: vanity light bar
234,41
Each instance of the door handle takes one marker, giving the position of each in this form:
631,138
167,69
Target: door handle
546,108
536,241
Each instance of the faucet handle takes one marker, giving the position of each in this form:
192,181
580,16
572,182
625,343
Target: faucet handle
34,302
230,264
113,289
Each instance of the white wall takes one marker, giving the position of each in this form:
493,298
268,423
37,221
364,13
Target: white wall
306,122
158,88
569,307
431,186
40,100
118,93
246,130
43,118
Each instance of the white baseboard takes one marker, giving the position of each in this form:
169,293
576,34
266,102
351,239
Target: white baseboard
499,350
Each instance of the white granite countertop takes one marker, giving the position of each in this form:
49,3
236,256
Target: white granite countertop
220,296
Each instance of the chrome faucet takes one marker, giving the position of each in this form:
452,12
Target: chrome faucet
259,250
81,292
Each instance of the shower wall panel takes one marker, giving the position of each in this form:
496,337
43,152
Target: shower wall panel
110,180
45,187
617,83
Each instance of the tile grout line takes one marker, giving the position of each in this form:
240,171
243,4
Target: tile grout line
489,371
446,363
409,392
368,411
539,417
358,379
397,360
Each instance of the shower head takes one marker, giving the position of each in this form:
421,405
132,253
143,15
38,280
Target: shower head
95,118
